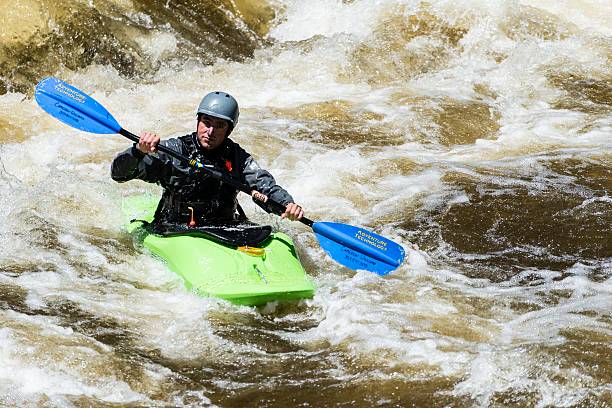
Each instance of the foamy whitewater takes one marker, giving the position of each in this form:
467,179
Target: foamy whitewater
477,134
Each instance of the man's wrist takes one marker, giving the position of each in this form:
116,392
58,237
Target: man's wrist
137,153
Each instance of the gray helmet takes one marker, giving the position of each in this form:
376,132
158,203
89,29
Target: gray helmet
220,105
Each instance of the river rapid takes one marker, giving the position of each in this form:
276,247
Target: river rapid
477,134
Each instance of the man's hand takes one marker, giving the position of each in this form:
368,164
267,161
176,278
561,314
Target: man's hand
293,212
148,142
259,196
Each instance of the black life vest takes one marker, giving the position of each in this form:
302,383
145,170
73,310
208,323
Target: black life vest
213,201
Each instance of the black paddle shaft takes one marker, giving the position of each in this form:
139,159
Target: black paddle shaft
275,206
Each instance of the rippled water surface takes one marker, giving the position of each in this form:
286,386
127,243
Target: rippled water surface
475,133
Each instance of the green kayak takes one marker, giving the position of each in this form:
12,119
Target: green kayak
210,266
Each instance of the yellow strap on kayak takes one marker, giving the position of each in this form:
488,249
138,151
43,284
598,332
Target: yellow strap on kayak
253,251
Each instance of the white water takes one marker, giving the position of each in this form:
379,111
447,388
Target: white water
60,215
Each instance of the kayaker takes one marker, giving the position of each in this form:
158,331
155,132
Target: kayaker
189,193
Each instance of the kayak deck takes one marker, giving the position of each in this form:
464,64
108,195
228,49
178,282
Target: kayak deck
250,276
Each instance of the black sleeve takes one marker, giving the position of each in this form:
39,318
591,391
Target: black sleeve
153,168
261,180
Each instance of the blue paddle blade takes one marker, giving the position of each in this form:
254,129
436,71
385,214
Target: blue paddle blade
74,107
357,248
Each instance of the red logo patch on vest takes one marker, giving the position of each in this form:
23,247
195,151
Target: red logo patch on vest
228,165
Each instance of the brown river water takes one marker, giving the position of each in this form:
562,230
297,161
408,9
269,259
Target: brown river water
477,134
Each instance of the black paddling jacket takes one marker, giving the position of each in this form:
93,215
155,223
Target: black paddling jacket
212,200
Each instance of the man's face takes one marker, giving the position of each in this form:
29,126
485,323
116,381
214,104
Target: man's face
211,131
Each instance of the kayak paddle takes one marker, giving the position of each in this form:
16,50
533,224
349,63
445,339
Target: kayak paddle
353,247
